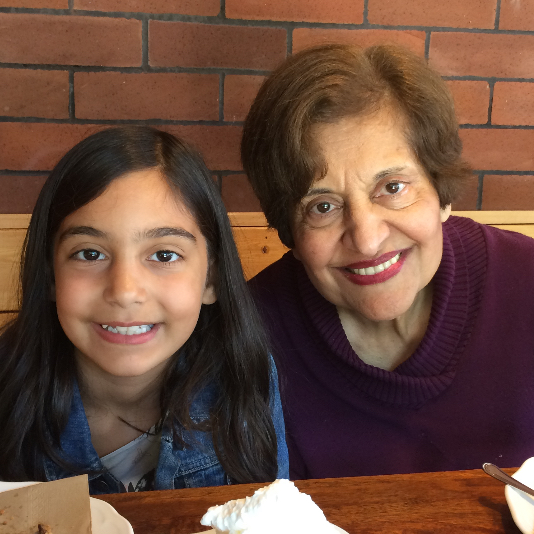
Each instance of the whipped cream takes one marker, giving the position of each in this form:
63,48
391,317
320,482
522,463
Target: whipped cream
279,508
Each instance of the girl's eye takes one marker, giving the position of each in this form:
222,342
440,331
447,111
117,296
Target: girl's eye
394,187
89,255
164,256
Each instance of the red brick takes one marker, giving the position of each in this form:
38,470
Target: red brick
70,40
482,54
471,101
183,7
499,149
34,93
38,146
239,93
116,95
513,103
306,37
218,144
453,13
18,194
467,200
340,11
238,195
207,45
36,4
508,192
516,15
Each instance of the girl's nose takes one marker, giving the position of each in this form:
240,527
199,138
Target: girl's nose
366,229
125,285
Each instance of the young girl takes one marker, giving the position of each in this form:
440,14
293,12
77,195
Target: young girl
137,356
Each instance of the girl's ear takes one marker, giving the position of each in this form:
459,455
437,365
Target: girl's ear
210,293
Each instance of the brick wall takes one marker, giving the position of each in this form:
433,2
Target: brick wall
192,67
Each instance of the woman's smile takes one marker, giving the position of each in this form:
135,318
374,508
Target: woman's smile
378,270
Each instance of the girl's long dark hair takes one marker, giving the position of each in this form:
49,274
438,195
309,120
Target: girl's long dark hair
227,348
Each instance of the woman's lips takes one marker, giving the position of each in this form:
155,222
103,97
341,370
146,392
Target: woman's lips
378,270
125,339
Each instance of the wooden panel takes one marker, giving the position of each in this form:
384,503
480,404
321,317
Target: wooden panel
10,247
5,317
258,247
527,229
14,220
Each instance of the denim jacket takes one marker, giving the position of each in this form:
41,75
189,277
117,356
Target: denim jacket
178,467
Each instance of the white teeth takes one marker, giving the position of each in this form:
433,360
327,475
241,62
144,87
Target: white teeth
377,268
128,330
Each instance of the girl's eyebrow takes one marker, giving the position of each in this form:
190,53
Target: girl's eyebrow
153,233
166,231
81,230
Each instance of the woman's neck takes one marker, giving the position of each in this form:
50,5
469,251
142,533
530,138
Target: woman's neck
387,344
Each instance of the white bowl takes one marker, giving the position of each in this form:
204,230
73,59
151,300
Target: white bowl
522,505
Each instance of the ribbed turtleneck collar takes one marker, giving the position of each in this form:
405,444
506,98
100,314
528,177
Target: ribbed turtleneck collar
432,367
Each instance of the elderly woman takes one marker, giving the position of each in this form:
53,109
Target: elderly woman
404,336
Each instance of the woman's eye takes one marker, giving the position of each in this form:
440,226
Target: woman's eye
164,256
89,255
322,207
394,187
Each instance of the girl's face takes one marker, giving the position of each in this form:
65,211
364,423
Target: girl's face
131,274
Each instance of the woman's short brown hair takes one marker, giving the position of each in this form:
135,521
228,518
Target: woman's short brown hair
325,84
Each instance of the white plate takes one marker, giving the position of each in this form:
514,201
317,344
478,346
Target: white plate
335,528
104,518
522,505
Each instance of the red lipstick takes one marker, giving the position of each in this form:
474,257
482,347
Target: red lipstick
377,278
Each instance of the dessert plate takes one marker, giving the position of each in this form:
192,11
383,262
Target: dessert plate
335,530
104,518
522,505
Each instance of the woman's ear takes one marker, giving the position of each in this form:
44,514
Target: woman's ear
445,213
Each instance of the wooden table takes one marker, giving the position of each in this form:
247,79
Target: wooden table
457,501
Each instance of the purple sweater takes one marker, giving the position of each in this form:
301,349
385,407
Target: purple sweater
466,395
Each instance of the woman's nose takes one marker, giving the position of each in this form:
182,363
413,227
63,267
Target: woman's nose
125,284
366,230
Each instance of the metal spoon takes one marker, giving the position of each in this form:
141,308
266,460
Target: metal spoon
495,472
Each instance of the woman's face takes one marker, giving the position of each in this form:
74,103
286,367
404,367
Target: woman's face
369,231
130,273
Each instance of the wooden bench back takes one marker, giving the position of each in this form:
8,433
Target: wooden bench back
258,246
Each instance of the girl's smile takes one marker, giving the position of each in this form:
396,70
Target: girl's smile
128,335
131,274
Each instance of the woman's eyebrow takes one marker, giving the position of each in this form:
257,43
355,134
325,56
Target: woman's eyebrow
317,191
388,172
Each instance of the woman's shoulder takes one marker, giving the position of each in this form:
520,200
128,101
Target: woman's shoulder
503,248
276,279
